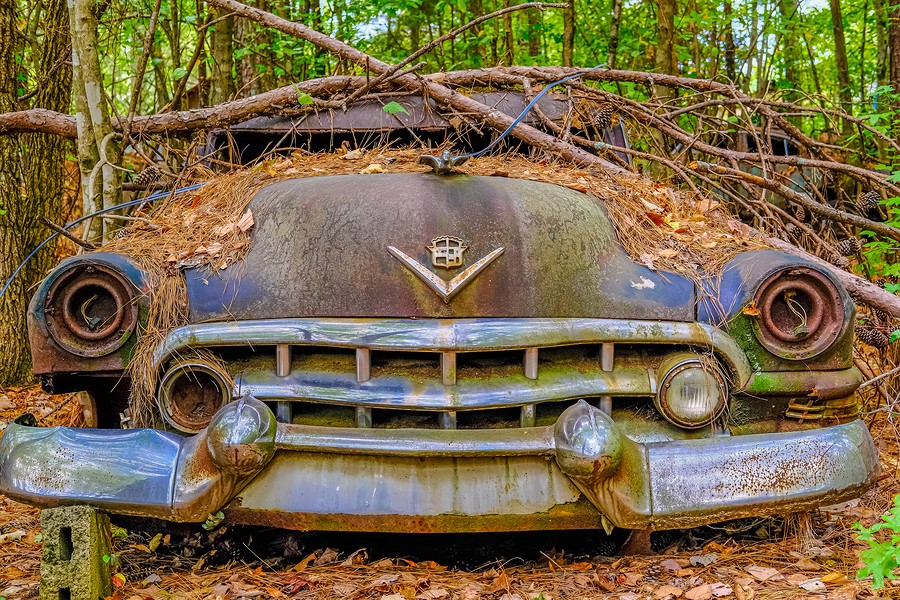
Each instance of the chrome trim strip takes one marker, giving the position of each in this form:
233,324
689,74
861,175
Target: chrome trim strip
392,391
455,335
534,441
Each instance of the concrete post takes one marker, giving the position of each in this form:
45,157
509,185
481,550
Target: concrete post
75,539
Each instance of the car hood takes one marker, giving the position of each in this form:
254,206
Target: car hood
344,246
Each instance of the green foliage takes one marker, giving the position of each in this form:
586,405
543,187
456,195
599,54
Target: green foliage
392,108
882,557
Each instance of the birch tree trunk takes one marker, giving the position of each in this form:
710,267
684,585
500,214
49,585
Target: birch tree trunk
98,149
31,177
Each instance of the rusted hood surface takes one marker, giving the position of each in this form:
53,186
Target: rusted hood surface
320,248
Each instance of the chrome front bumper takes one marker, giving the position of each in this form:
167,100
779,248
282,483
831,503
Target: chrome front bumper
270,471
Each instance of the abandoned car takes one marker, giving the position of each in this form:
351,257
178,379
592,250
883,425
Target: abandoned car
439,353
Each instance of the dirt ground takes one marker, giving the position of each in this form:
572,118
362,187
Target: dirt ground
797,557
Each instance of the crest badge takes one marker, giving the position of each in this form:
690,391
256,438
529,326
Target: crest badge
447,252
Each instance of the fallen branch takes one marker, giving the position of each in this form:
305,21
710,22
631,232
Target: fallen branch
443,95
823,210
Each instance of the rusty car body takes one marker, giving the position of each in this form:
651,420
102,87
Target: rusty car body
417,352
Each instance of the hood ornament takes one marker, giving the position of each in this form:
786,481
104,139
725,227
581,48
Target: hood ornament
447,253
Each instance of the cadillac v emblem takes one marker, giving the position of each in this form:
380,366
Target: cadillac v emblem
446,252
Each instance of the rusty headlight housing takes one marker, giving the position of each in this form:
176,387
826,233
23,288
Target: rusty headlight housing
692,391
801,313
91,310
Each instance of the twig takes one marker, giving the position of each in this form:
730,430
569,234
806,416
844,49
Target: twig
68,235
828,212
438,41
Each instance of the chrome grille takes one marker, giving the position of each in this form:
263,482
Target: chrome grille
448,373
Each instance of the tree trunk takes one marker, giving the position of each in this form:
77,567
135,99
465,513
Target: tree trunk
31,178
534,33
477,9
222,55
881,40
509,52
665,41
789,10
843,69
614,34
730,66
568,40
92,114
894,37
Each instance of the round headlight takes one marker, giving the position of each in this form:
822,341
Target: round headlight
90,310
191,392
691,393
801,313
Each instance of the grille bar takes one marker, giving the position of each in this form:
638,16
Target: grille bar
457,335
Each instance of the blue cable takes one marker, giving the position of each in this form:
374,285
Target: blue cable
521,116
128,204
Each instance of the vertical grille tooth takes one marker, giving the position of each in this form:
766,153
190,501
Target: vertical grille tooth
448,368
606,404
284,411
527,418
448,419
363,417
363,364
531,363
607,356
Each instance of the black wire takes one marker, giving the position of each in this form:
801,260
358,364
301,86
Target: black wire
128,204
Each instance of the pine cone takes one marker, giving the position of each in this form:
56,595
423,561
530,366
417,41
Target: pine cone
652,571
880,318
799,212
871,336
148,176
849,246
866,201
839,261
602,117
793,231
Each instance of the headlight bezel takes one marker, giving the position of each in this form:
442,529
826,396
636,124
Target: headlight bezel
104,291
801,313
676,365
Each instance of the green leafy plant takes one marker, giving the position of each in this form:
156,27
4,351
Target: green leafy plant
882,557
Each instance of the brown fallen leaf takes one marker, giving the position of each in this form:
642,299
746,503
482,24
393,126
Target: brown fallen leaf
668,591
764,573
433,594
343,589
500,583
328,557
834,579
373,168
303,563
720,590
750,310
701,592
